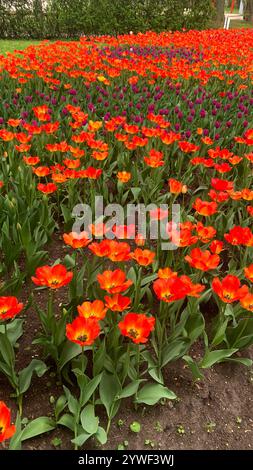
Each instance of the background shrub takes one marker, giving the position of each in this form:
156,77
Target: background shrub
38,19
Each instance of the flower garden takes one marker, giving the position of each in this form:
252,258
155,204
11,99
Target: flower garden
94,327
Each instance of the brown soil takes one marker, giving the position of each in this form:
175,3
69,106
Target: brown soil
212,414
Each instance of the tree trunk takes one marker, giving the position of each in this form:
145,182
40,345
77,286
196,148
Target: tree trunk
249,11
220,7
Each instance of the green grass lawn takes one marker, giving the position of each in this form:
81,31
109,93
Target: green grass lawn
10,45
236,10
238,24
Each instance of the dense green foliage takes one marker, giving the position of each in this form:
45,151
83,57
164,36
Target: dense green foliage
72,18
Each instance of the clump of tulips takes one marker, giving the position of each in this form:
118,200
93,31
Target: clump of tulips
92,122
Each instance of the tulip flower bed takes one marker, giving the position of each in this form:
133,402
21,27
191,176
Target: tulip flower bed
95,327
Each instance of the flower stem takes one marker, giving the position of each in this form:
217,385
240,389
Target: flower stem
50,312
82,363
138,360
20,404
108,425
138,290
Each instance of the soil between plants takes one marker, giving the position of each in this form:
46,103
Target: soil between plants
215,413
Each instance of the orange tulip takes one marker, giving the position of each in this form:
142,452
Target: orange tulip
114,282
166,273
98,230
176,187
140,240
143,257
14,122
77,240
117,303
6,136
188,147
114,250
42,113
216,247
247,302
249,272
83,331
155,159
95,309
250,210
124,231
203,260
205,234
229,289
171,289
31,160
41,171
72,164
6,428
204,207
239,236
9,307
93,173
47,188
194,290
59,178
137,327
53,277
